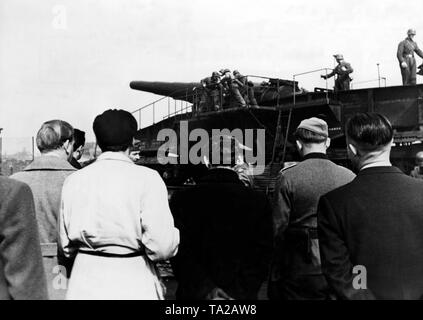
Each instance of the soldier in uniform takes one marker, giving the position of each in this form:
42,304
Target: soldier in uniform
212,89
418,170
405,55
296,270
247,89
232,85
342,72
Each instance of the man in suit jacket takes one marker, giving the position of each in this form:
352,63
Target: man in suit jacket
226,237
371,230
21,268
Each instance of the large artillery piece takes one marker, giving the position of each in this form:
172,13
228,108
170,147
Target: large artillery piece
282,105
266,93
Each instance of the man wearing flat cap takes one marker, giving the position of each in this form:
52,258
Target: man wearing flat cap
342,72
296,270
407,61
115,219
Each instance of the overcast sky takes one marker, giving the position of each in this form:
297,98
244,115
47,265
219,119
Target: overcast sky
72,59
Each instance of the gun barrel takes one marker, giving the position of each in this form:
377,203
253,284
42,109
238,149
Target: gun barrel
177,90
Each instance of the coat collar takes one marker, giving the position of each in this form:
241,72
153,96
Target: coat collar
315,155
46,162
108,155
379,170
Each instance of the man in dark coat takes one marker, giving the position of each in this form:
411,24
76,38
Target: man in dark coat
296,272
371,230
21,267
212,93
342,72
226,236
232,86
246,89
406,59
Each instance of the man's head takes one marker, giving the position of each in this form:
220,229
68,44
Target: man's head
236,73
215,74
411,33
312,135
338,57
55,136
224,151
78,143
369,139
115,130
225,72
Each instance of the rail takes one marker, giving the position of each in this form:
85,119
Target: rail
184,94
370,81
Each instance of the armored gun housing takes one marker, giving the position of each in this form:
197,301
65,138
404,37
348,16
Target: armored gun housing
282,106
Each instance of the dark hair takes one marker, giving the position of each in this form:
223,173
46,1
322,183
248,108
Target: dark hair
369,130
308,136
53,134
115,130
78,138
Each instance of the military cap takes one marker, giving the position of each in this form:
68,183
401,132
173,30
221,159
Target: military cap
339,56
315,125
223,71
411,31
215,74
115,128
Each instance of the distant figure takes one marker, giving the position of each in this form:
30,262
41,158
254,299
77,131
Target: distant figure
370,230
226,234
78,148
212,92
115,219
22,274
417,172
232,86
296,271
45,176
246,89
342,72
405,55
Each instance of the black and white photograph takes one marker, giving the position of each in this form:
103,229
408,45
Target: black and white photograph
222,157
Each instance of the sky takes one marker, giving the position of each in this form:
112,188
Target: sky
73,59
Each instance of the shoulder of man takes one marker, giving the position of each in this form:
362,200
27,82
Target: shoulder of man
8,184
288,168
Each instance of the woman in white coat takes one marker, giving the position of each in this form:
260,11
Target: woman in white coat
116,220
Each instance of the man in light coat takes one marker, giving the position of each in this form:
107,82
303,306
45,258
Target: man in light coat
45,176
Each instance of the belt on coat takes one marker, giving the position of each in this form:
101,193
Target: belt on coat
111,255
